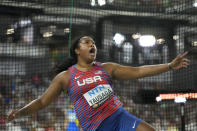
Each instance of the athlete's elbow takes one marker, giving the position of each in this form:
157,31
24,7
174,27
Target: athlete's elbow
41,103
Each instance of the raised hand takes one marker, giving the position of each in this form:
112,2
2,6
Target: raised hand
179,62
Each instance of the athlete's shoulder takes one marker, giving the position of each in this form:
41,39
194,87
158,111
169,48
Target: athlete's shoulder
109,65
63,76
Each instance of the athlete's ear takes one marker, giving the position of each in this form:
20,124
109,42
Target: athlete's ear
77,51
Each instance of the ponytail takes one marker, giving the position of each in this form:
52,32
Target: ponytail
68,62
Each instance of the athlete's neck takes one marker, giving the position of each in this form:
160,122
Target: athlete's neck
84,66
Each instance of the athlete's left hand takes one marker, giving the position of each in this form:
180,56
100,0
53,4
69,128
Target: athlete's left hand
179,62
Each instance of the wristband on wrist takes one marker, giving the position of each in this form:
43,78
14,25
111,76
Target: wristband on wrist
170,67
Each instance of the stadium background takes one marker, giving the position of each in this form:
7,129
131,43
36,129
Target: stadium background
35,35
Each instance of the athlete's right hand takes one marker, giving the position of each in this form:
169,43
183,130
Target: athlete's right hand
12,115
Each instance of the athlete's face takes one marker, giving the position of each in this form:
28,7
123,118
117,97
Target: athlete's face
87,49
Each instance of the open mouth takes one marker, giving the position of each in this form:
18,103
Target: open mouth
92,50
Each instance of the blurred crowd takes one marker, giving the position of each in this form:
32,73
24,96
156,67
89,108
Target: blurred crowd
18,91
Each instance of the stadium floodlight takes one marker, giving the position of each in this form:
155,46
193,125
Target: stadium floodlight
67,30
175,37
47,34
160,41
93,2
110,1
147,40
195,3
24,23
194,43
101,2
136,36
10,31
118,38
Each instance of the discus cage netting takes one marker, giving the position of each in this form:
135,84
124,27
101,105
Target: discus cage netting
35,35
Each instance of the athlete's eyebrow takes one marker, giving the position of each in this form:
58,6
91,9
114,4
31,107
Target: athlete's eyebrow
87,40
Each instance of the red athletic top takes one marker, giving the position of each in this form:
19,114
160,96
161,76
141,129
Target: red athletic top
80,83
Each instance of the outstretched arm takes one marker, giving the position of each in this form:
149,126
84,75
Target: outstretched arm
120,72
48,96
